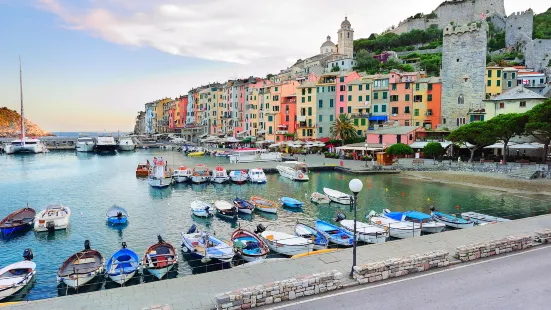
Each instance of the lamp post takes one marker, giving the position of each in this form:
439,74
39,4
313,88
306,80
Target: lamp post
365,154
355,187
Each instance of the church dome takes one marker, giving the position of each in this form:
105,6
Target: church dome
328,43
346,23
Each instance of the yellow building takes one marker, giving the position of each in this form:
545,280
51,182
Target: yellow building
253,112
493,82
420,97
269,114
306,110
360,94
161,115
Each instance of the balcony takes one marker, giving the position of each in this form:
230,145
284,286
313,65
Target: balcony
360,115
281,132
306,125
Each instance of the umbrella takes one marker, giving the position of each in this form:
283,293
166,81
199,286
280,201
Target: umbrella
274,145
527,146
298,142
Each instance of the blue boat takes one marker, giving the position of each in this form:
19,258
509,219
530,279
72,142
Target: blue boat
291,202
205,246
123,265
451,221
117,215
320,240
17,221
337,235
427,224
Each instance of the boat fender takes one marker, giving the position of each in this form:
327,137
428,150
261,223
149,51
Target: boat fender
300,175
87,244
260,228
28,254
123,244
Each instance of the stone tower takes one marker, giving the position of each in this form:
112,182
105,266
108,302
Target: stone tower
346,39
463,72
488,8
328,47
519,27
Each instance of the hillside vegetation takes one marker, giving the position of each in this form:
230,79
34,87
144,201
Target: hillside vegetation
400,42
10,125
542,25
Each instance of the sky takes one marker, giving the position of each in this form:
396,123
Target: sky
91,65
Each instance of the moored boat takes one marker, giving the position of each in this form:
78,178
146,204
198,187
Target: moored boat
205,246
291,202
239,176
336,196
319,198
294,170
117,215
286,244
479,218
143,169
85,144
451,221
17,221
126,144
257,176
225,209
396,229
81,267
243,205
264,205
105,144
201,209
201,174
160,258
54,217
196,154
16,276
182,174
122,265
365,232
219,175
318,238
159,176
248,245
428,225
337,235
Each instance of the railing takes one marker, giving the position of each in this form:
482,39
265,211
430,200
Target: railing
360,115
306,125
281,132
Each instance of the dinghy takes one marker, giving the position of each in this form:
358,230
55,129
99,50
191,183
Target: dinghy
239,176
451,221
123,265
291,202
320,240
319,198
160,258
225,209
248,245
428,225
257,176
337,235
54,217
365,232
480,219
201,209
81,267
243,205
336,196
17,221
264,205
182,174
219,175
396,229
117,215
14,277
205,246
286,244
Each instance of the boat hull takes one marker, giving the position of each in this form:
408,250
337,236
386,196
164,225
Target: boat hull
292,174
404,233
85,147
267,210
12,290
160,183
161,272
340,200
122,278
126,147
181,179
117,221
432,229
59,225
245,210
75,281
220,180
25,149
199,179
107,148
289,250
454,225
11,230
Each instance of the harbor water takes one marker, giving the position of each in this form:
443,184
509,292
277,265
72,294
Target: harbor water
89,184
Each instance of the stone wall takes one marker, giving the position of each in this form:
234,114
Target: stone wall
537,54
519,27
279,291
397,267
495,247
543,236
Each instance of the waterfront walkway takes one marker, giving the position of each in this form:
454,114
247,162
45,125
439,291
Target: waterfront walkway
198,291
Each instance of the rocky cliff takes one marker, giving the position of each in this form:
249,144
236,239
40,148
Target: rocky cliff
10,125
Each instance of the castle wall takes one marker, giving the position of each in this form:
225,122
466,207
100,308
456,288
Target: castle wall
537,54
459,13
488,7
519,27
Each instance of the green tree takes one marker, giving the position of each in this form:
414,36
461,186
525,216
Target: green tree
433,149
365,62
399,149
343,128
474,136
336,69
542,25
539,125
506,126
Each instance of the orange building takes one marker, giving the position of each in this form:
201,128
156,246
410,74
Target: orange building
434,103
288,118
401,97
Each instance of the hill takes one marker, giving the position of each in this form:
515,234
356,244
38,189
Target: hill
542,25
10,125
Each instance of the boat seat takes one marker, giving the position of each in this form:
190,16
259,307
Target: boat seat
84,261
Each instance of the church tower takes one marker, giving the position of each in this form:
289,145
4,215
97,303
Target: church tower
346,39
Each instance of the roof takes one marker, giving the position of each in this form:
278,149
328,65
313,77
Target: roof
398,130
529,72
356,82
328,43
307,84
519,92
345,22
510,69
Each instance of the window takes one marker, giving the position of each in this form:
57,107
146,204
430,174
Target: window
349,109
309,111
429,112
513,75
407,97
360,87
320,118
320,130
304,132
460,99
489,83
406,110
342,88
331,103
429,97
303,91
509,84
416,86
489,73
270,129
407,85
522,104
286,118
341,98
366,97
504,75
331,117
541,81
430,87
502,105
498,83
418,98
416,112
375,96
393,86
375,109
276,88
349,98
270,119
360,98
309,98
320,103
498,73
385,95
309,90
394,110
406,123
341,110
393,98
342,79
362,121
349,87
356,122
383,108
303,100
366,86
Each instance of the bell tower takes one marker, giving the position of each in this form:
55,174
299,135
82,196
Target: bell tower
346,39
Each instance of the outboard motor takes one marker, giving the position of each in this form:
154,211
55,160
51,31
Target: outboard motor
28,254
119,215
123,244
160,239
192,229
234,211
340,217
87,244
50,226
432,208
260,228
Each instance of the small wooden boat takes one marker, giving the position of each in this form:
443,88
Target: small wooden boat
291,202
201,209
226,209
319,198
123,265
264,205
315,253
201,174
182,174
54,217
117,215
336,196
196,154
335,234
160,258
428,225
239,176
205,246
287,244
219,175
81,267
257,176
14,277
248,245
17,221
451,221
480,219
396,229
243,205
320,240
365,232
143,170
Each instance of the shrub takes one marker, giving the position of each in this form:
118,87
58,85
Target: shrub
399,149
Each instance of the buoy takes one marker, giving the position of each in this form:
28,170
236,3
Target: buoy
369,185
403,194
386,189
457,207
428,199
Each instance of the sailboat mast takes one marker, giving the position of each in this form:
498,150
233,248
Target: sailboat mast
21,96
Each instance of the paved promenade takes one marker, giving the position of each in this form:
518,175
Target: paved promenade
198,291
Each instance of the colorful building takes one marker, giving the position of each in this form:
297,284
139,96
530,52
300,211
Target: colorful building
493,81
517,100
434,103
401,97
359,97
288,118
307,111
380,99
326,91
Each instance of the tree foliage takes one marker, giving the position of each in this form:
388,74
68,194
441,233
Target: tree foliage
366,63
343,128
542,25
539,124
477,134
336,69
433,149
496,38
399,149
390,41
506,126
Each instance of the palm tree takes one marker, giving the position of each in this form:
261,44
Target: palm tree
343,128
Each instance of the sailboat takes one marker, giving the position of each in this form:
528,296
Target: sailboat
24,144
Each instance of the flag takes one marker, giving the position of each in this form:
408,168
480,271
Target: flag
483,16
526,82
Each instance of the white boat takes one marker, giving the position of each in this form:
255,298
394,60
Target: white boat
294,170
319,198
105,144
54,217
264,205
287,244
85,144
201,174
159,176
201,209
257,176
366,232
14,277
428,225
451,220
182,174
253,155
126,144
481,219
219,175
397,229
225,208
336,196
160,258
206,247
239,176
81,267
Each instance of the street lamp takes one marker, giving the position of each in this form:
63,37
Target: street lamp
355,187
365,154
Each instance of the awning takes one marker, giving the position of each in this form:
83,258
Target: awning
383,118
359,148
422,144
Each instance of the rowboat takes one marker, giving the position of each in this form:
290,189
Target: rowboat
226,209
320,240
243,205
17,221
257,176
319,198
286,244
337,235
219,175
296,171
160,258
117,215
249,245
239,176
201,174
196,154
182,174
336,196
54,217
264,205
201,209
14,277
452,221
81,267
396,229
291,202
142,170
123,265
479,218
428,225
365,232
315,253
205,246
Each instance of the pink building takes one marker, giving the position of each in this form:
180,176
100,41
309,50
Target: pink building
402,85
342,97
392,135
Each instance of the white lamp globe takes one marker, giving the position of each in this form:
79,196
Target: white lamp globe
366,145
355,185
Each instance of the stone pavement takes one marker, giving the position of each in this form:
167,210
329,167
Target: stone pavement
198,291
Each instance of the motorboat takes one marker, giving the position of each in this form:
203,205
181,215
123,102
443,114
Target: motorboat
222,154
336,196
294,170
206,246
480,219
126,144
324,251
117,215
248,245
264,205
105,144
182,174
335,234
159,177
54,217
308,232
225,209
201,209
319,198
251,155
16,276
123,265
396,229
291,202
243,205
81,267
286,244
143,169
366,232
17,221
85,144
160,258
428,225
201,174
219,175
257,176
452,221
239,176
